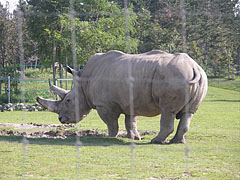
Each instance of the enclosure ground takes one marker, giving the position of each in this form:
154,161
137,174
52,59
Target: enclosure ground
212,150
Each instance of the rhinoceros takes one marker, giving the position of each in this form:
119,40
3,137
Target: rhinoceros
156,82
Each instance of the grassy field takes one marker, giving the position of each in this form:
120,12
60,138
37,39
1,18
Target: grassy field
212,150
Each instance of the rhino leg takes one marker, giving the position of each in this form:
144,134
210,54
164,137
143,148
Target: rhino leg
183,128
131,127
111,120
166,128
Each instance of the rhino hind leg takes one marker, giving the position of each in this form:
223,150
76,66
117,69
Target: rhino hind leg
131,127
166,128
110,119
183,128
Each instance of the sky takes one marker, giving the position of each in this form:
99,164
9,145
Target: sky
12,4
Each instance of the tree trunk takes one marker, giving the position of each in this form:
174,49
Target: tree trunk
229,69
35,64
215,70
54,59
61,74
66,73
60,61
205,54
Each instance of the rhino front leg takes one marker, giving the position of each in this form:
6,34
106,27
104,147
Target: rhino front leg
131,127
111,120
166,128
183,128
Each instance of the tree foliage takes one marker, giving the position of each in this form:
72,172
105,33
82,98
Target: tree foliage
207,30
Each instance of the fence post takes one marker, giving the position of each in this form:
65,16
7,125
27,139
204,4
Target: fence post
56,85
9,80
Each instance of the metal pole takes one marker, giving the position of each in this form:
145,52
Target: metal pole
9,79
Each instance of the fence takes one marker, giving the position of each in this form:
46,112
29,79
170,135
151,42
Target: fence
8,90
226,71
229,71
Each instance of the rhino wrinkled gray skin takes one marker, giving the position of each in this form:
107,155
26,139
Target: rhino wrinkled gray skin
172,85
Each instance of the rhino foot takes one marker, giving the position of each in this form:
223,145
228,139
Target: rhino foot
177,141
156,140
135,136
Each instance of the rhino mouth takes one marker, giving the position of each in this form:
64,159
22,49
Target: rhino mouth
65,120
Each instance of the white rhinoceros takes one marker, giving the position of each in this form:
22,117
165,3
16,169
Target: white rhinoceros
172,85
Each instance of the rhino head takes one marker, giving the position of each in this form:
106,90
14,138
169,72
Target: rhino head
73,106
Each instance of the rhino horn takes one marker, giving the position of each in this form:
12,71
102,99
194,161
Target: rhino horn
51,105
59,91
73,71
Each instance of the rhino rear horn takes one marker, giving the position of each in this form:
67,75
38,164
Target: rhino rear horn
59,91
73,71
51,105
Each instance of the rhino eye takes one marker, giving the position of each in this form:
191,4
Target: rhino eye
68,100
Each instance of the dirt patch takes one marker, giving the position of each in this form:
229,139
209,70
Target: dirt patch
33,130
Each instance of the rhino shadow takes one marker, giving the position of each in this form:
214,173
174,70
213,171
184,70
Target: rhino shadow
85,141
223,100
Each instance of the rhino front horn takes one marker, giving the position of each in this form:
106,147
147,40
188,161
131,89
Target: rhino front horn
51,105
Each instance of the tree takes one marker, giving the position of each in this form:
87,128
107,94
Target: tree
8,47
99,27
212,35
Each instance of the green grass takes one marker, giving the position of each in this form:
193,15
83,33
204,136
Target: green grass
213,143
225,83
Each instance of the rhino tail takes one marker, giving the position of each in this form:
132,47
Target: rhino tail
197,76
197,94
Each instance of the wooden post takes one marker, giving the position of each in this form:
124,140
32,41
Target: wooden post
9,80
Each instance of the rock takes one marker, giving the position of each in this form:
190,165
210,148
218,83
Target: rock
10,109
39,108
10,104
21,104
21,107
10,132
6,106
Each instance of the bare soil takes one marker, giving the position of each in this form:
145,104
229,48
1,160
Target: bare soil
34,130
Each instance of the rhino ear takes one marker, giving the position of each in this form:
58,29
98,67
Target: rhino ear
73,71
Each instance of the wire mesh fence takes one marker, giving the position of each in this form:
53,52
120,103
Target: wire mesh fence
120,86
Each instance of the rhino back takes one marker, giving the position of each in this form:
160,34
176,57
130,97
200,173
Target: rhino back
159,81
